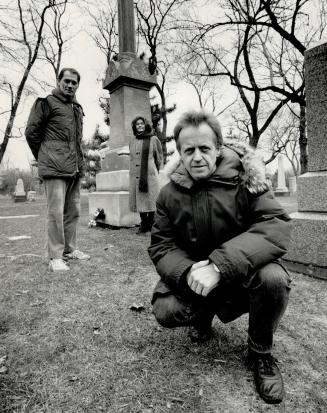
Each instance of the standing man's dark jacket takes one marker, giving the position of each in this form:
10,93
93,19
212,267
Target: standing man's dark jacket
54,133
232,218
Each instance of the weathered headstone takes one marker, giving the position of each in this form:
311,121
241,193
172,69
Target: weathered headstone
31,195
19,194
308,251
128,81
292,184
281,189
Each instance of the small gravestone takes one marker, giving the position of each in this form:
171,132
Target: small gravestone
281,189
31,195
20,194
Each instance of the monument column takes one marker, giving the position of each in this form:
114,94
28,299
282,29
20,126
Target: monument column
308,251
128,81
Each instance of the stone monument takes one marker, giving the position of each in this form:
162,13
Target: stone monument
19,194
128,81
281,189
308,249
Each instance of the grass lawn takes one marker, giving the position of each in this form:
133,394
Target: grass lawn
74,345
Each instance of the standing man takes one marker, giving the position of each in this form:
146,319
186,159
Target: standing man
216,240
54,133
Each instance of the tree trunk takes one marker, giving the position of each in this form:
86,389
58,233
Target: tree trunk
303,141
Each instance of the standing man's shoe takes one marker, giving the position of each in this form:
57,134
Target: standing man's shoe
57,264
267,378
77,255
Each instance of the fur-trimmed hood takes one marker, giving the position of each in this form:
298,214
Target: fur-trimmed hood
236,160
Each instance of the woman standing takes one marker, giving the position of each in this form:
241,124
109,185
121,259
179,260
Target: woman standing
145,162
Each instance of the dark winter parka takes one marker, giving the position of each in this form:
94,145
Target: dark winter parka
232,218
54,133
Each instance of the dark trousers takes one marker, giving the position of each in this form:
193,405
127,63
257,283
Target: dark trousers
147,219
264,296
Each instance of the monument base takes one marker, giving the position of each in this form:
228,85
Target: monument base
308,242
312,271
20,198
115,206
282,192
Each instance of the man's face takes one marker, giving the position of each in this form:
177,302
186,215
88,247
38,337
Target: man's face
68,84
198,150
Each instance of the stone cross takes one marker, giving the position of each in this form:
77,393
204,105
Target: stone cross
126,27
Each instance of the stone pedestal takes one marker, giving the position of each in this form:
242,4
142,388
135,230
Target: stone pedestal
128,81
308,251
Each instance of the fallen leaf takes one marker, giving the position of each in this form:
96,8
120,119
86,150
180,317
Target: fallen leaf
3,359
168,405
73,378
176,399
137,307
37,303
99,295
220,361
3,370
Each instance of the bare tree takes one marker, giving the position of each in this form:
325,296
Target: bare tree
156,27
104,16
53,46
26,43
281,30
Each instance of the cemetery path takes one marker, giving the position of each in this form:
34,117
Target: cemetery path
72,343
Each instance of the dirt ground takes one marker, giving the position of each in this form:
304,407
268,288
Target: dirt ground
71,343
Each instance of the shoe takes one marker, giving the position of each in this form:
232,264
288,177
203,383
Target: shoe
267,377
57,264
200,334
77,255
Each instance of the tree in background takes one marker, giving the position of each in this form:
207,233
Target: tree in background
21,38
93,157
270,37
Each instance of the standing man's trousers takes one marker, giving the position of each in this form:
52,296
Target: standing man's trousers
63,199
264,296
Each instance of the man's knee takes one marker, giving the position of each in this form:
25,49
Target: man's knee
170,312
273,277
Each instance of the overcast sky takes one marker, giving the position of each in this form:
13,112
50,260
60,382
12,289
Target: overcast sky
90,62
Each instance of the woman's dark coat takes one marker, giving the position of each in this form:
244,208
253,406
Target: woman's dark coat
54,134
144,201
232,218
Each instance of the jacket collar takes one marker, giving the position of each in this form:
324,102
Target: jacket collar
236,161
66,99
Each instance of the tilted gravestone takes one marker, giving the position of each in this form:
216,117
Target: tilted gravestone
128,81
308,251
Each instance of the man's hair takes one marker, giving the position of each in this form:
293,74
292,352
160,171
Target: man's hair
195,118
71,70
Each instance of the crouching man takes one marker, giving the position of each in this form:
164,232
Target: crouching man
216,239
